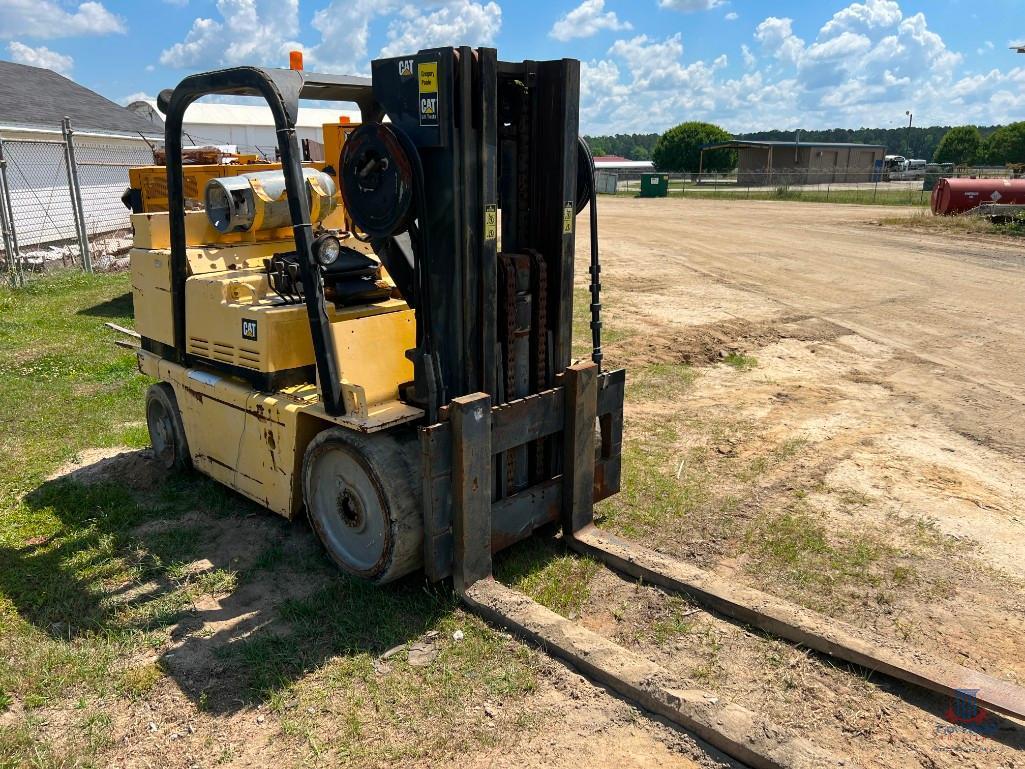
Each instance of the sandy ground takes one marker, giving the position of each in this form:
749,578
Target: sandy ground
937,324
893,359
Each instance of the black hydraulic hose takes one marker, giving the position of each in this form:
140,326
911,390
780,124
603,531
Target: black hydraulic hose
595,269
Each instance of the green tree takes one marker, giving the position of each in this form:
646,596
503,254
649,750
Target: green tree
639,153
679,149
1006,144
961,145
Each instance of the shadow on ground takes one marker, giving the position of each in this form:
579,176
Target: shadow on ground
240,601
119,307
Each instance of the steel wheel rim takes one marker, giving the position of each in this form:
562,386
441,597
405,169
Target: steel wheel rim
346,505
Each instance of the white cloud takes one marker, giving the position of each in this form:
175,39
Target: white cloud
867,64
587,19
249,32
690,5
732,16
263,31
749,58
985,48
778,39
40,57
453,23
124,101
873,14
47,20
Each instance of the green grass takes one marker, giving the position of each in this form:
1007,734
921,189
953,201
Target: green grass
583,344
958,225
554,578
94,578
659,381
740,362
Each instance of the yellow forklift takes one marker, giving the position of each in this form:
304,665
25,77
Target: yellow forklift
314,328
383,340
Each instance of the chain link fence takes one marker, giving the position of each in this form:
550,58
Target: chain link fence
876,187
60,202
871,188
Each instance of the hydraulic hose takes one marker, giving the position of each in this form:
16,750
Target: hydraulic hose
585,156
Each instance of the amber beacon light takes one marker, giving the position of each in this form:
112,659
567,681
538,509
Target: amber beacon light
295,60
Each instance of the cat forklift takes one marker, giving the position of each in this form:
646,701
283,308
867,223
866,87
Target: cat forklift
384,341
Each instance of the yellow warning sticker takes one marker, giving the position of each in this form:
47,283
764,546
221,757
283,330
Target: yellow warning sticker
567,218
428,72
427,75
490,222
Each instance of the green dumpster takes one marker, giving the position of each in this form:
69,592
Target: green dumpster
654,185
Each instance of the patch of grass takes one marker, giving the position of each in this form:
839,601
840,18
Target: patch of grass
556,579
354,710
957,225
794,549
659,381
653,497
740,362
136,682
866,196
582,342
678,620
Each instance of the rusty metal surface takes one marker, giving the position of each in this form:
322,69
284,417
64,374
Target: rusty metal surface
800,625
470,417
516,516
581,393
527,419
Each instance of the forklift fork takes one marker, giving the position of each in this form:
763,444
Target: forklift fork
735,730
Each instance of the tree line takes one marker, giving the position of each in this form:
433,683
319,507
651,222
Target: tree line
678,148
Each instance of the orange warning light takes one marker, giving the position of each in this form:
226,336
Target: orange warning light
295,60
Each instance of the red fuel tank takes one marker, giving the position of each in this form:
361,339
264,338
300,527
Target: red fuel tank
955,196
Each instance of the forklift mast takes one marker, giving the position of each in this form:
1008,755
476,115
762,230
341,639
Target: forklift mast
465,176
491,136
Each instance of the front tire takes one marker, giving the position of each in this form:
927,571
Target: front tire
363,498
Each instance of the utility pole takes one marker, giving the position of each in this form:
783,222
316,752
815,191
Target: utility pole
908,141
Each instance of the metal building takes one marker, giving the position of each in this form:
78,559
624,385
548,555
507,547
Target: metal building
796,162
249,127
107,139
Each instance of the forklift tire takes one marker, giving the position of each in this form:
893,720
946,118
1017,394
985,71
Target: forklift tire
166,431
363,499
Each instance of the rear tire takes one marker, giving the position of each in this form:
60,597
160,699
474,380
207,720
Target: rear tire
362,495
166,430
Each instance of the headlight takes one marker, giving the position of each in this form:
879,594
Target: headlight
326,249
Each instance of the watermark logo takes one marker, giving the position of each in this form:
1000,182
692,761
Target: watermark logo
969,726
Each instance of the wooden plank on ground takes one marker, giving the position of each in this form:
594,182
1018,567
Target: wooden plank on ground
800,625
736,731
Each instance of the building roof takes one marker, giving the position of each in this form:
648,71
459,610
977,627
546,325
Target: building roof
739,144
609,158
605,162
214,113
32,97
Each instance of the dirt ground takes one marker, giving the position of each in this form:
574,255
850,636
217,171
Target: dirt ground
887,397
787,362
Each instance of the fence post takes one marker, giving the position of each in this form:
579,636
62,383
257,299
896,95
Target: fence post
76,194
7,217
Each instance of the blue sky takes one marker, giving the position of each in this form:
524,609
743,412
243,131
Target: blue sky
647,64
